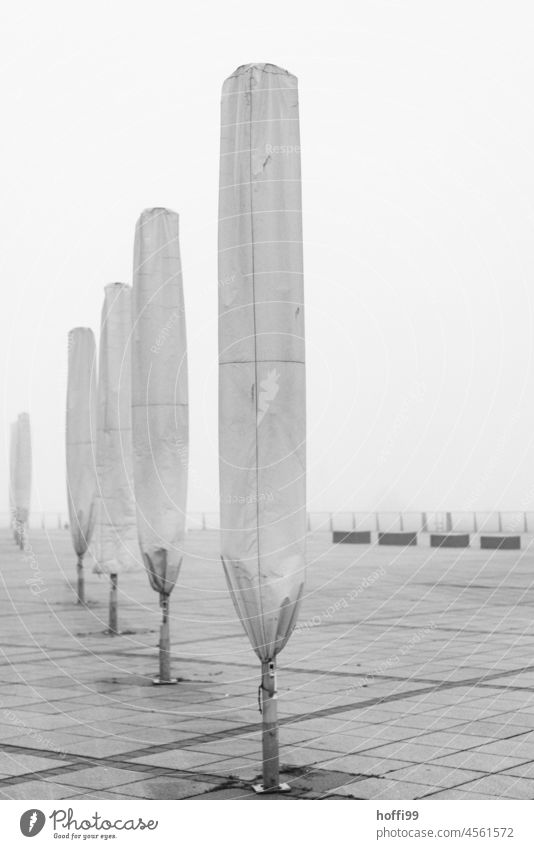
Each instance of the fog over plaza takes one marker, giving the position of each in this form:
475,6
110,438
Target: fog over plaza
418,182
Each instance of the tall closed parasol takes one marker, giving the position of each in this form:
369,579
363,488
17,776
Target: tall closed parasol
160,408
261,369
23,477
117,549
80,444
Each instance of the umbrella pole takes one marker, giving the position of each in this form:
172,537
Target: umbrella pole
81,581
113,606
269,710
164,676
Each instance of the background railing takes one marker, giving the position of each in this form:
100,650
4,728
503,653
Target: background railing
505,522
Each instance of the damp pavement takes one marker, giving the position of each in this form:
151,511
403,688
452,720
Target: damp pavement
410,676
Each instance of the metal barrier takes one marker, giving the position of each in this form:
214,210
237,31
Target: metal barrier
449,540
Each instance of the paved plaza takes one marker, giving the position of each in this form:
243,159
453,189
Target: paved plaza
409,676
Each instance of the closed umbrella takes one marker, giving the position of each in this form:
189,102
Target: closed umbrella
160,408
261,369
117,533
80,444
23,477
13,429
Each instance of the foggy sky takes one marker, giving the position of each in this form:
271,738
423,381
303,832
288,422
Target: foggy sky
417,135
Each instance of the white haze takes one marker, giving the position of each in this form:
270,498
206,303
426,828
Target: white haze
417,138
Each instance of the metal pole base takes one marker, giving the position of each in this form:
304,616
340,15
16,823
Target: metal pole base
80,589
282,788
157,680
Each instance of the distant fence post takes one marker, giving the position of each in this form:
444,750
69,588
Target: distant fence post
442,521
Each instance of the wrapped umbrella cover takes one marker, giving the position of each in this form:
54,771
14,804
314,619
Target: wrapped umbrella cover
160,405
23,476
12,465
80,442
261,357
117,549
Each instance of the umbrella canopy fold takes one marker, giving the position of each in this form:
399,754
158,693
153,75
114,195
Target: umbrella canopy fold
23,469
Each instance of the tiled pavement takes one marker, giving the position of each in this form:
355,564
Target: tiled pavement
410,676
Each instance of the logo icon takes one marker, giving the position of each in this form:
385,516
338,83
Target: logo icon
269,391
32,822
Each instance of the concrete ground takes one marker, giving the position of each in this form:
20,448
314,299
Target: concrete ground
410,676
